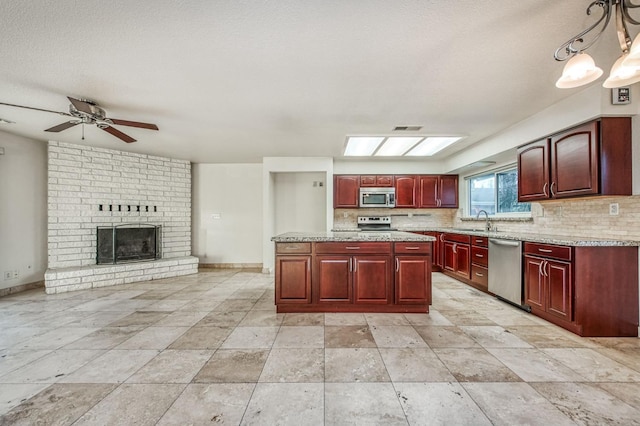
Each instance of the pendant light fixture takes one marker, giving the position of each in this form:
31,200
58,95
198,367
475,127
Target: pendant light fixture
581,68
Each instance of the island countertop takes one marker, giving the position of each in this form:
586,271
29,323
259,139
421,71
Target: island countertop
337,236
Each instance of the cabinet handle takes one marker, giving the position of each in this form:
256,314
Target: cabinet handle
353,247
540,268
350,265
355,265
545,250
479,274
551,189
441,237
545,268
478,241
454,249
397,265
479,255
412,248
544,189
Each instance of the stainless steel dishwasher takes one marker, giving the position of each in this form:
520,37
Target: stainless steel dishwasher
505,270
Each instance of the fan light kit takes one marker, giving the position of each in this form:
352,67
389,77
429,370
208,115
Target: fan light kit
84,111
581,68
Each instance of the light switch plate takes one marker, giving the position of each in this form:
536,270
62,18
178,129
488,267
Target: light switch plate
621,95
614,209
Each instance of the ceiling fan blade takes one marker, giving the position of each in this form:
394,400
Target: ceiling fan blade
36,109
118,134
134,124
63,126
81,105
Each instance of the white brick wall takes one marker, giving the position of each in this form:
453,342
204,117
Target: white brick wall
82,178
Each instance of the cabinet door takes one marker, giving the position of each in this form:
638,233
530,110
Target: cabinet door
448,256
367,180
534,293
463,260
574,162
346,190
438,247
533,171
559,289
448,191
435,248
293,279
405,191
412,278
428,192
334,279
371,279
384,180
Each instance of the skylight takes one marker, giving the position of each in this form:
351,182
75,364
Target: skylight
397,146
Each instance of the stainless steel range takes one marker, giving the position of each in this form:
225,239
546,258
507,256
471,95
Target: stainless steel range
375,223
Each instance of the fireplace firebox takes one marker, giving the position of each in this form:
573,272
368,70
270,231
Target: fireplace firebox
128,243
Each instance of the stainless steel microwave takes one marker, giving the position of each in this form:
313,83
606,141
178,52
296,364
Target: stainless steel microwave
377,197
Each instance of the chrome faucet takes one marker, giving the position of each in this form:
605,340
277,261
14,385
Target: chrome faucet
488,224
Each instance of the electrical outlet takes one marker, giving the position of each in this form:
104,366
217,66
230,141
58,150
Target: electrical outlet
7,275
16,274
345,215
613,209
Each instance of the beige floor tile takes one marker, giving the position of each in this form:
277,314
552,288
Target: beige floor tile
151,403
251,338
354,365
475,365
593,365
414,365
222,319
439,404
348,336
261,318
446,337
299,337
172,366
431,319
312,319
397,336
52,367
153,338
233,366
304,403
115,366
13,395
294,366
533,365
362,403
58,404
203,404
344,319
202,338
494,337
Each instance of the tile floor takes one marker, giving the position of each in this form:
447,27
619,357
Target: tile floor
210,349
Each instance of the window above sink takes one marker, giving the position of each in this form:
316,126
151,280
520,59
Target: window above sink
496,192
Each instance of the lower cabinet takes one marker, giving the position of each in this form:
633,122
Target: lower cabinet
480,263
353,277
456,254
589,290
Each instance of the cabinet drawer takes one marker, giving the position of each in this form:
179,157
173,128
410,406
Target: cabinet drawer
417,248
479,255
480,275
546,250
458,238
289,248
480,241
356,247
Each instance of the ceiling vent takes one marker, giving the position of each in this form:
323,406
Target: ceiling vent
407,128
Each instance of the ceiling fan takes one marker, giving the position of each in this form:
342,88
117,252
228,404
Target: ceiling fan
85,111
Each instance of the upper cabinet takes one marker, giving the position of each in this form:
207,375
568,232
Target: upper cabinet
591,159
405,191
346,189
438,191
376,180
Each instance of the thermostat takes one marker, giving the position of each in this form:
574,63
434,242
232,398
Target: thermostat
620,95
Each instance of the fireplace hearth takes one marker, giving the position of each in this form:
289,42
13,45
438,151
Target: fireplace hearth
128,243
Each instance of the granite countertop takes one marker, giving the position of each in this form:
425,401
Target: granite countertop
533,238
337,236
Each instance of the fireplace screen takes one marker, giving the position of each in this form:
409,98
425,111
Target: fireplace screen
128,243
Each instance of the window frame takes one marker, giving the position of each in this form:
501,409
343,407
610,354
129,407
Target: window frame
494,172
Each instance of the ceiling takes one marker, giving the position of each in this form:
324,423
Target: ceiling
232,81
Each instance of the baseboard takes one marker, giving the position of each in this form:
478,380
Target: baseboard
230,266
20,288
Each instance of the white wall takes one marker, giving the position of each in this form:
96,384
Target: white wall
271,166
23,209
234,192
363,167
299,205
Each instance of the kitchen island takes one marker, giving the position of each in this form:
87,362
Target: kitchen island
353,272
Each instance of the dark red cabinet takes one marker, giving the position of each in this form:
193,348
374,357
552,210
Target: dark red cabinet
590,159
405,191
457,255
376,180
438,191
346,191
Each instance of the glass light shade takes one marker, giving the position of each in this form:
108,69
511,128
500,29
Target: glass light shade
433,144
397,145
579,70
360,146
633,58
622,75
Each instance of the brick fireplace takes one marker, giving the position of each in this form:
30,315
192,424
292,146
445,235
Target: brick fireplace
91,188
